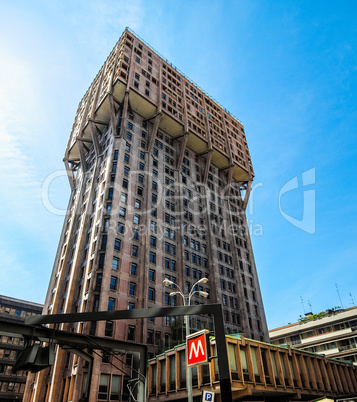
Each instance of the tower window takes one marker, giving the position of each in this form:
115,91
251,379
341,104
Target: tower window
132,288
134,251
111,304
104,242
121,228
150,337
101,261
133,268
131,333
152,257
113,283
151,294
115,263
117,244
152,275
108,328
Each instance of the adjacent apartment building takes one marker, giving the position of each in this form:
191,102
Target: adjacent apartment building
12,385
333,334
160,175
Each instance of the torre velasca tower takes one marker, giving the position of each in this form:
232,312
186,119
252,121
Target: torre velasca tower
160,176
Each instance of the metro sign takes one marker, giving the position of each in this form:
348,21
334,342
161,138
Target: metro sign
198,348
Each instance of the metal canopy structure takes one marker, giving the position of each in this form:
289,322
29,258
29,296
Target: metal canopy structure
213,309
78,343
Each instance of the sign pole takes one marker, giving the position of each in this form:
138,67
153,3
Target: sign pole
189,372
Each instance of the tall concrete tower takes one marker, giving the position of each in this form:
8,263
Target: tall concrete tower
160,175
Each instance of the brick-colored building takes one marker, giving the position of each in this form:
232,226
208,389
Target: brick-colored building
160,176
12,385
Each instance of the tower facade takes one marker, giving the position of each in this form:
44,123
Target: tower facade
160,176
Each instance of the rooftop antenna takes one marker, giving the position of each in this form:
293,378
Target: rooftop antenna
352,301
308,302
302,302
338,292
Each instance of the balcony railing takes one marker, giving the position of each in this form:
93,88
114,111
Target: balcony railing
325,336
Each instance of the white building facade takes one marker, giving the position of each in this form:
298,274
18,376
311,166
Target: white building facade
333,335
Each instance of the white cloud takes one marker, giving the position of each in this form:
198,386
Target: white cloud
20,134
14,164
19,185
18,95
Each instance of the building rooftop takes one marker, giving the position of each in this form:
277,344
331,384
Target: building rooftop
338,315
12,301
156,87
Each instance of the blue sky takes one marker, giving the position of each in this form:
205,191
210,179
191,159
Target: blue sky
286,69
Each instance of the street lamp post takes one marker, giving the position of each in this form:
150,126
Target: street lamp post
187,302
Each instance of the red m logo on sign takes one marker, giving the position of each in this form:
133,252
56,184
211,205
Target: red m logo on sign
197,348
